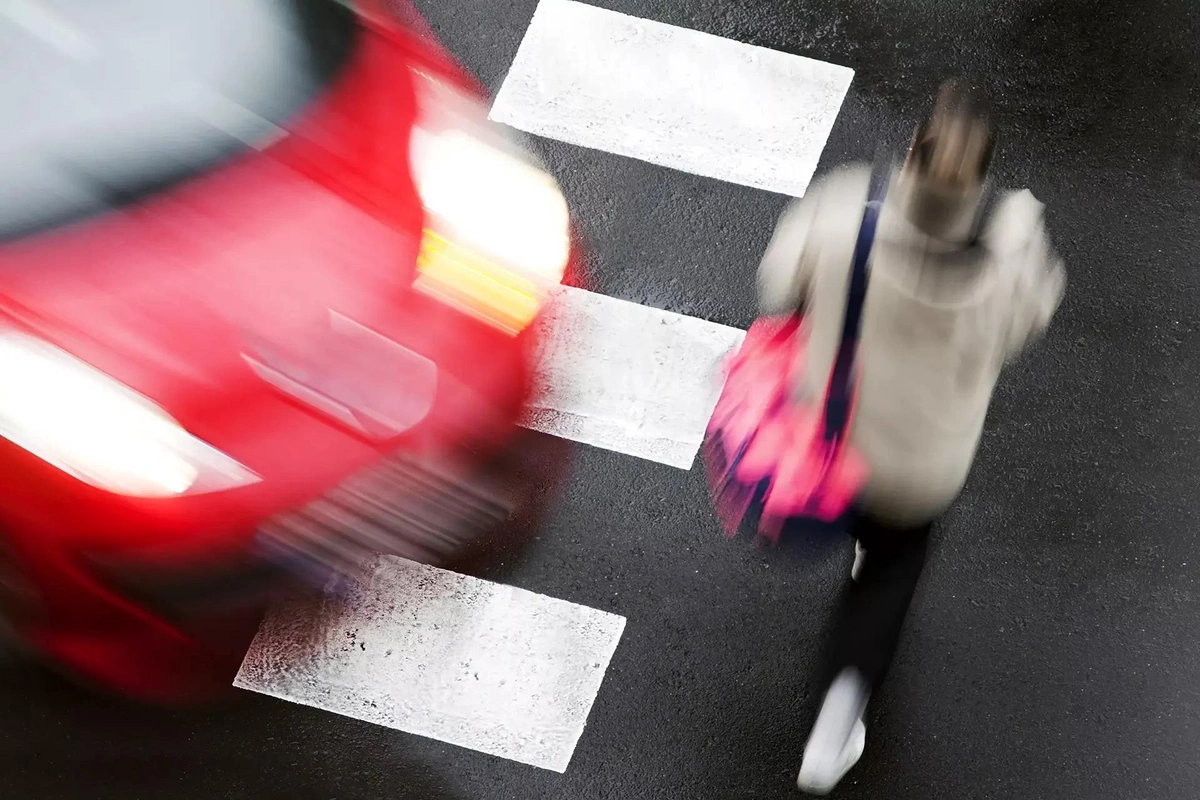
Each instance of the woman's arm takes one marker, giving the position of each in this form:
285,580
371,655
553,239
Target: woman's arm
785,273
1039,279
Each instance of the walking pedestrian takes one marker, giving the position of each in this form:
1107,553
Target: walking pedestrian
959,283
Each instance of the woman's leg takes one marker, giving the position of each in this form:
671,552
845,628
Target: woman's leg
866,632
872,610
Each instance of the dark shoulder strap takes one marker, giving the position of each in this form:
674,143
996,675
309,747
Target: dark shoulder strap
983,217
840,392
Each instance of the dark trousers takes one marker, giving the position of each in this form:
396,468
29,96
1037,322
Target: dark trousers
866,628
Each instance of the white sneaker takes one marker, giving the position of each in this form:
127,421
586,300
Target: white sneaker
860,555
838,737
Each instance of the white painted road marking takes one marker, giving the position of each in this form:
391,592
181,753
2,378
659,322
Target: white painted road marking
430,652
672,96
478,664
627,377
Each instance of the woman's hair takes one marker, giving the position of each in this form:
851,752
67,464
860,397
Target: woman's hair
953,146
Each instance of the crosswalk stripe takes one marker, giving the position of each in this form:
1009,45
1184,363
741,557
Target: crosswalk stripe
672,96
491,667
627,377
477,664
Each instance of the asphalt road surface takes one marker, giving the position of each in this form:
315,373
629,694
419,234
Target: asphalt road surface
1051,649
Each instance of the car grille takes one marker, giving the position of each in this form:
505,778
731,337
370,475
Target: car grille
398,507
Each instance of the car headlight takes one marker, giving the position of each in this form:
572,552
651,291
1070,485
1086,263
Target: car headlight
493,202
498,232
75,417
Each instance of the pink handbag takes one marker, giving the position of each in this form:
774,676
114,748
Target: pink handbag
785,462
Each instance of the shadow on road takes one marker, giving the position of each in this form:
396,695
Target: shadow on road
58,740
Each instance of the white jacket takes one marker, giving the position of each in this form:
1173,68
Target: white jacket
939,322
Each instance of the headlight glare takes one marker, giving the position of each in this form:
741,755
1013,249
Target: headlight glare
492,201
75,417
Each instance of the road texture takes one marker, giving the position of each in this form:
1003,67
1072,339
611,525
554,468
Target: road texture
1050,651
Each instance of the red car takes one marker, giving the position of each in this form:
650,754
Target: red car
267,278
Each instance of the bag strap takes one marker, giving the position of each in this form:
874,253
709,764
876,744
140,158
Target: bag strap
839,393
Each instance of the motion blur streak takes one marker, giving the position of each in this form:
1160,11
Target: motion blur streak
268,286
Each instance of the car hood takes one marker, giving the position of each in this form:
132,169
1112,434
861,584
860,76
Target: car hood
165,294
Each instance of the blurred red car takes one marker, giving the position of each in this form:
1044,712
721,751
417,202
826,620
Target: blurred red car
267,278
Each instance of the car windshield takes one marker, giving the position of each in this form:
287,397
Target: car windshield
107,102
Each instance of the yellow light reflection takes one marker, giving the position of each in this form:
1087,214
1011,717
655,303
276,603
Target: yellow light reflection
460,277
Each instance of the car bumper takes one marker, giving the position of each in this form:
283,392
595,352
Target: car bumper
152,598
